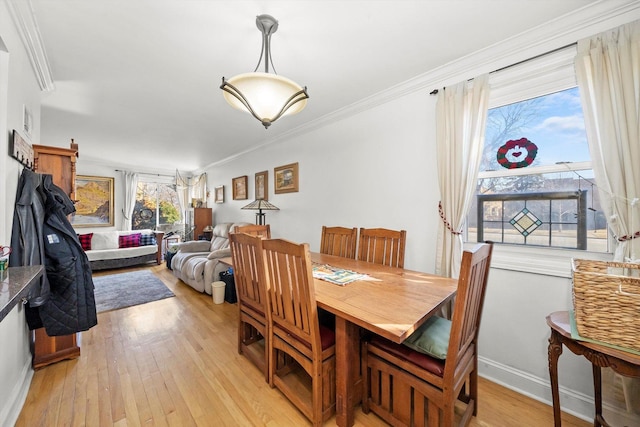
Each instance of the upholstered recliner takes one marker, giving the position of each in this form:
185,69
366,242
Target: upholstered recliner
197,263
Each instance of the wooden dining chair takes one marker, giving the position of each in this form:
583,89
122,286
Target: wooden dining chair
255,230
412,388
297,333
382,246
339,241
250,280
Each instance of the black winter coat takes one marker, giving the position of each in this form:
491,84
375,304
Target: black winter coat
70,305
26,235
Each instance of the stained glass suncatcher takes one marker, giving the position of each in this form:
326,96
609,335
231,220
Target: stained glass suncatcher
525,222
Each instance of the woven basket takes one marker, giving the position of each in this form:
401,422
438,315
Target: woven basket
606,301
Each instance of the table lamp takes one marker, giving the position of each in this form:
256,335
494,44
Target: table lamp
260,205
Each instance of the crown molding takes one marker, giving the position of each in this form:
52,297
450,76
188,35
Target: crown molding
562,31
25,21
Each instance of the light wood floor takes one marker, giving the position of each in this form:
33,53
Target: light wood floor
174,362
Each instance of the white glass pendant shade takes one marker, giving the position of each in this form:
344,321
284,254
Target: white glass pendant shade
266,93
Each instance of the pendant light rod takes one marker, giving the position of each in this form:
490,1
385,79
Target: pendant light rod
267,25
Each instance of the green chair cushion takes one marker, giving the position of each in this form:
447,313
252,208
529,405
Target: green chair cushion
432,338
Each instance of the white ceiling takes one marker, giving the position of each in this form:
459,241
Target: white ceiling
137,81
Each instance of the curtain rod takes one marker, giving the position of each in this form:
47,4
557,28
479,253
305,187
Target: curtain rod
145,173
435,91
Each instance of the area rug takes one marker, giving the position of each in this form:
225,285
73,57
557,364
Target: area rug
128,289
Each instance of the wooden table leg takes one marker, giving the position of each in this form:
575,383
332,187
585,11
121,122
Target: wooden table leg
347,350
555,350
597,395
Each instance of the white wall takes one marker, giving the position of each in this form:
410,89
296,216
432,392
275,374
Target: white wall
365,171
375,166
18,87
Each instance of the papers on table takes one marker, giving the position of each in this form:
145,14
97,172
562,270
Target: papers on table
336,275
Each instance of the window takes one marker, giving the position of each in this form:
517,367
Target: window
535,185
156,204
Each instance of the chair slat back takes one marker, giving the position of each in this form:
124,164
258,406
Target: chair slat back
249,275
255,230
472,285
291,290
339,241
382,246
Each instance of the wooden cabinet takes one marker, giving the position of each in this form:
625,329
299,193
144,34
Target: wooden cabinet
48,350
60,163
201,218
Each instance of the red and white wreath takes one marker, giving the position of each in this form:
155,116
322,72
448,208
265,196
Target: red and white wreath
517,153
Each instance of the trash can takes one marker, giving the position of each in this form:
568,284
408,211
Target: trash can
217,292
230,288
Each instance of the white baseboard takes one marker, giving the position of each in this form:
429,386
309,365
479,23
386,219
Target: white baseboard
571,402
10,409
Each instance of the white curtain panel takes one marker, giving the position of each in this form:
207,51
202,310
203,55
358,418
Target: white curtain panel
182,190
199,187
608,74
130,189
461,122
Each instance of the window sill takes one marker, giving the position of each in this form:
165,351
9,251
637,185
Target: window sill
537,260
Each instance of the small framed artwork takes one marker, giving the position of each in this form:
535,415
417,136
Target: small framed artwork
94,207
286,178
27,121
240,188
219,194
262,185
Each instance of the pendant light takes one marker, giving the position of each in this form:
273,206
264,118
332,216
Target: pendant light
267,96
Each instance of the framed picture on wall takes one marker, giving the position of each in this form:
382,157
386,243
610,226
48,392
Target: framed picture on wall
240,188
219,194
286,178
262,185
94,207
27,121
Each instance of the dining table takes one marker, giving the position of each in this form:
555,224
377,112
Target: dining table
388,301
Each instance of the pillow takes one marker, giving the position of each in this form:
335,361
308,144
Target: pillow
85,241
129,240
432,338
220,253
148,240
104,240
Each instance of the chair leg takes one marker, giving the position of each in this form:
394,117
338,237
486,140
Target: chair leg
473,388
316,396
267,358
273,365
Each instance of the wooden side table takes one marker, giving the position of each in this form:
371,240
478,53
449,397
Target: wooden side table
600,356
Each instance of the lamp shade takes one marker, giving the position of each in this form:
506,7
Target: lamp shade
267,94
261,204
